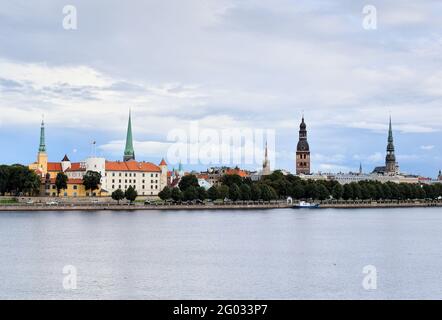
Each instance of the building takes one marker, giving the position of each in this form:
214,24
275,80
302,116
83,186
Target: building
266,163
303,151
391,167
147,178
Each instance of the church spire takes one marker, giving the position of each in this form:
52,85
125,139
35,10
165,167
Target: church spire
129,153
266,164
390,160
42,147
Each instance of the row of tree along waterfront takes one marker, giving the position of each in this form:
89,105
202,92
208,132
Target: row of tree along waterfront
279,186
20,180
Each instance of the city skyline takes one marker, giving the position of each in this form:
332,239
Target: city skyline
346,79
128,154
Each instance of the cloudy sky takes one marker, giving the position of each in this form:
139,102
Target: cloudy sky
225,64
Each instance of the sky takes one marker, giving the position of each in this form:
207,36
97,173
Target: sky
224,65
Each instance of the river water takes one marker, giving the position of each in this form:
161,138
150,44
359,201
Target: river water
268,254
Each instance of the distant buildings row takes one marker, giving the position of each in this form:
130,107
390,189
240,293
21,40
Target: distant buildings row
149,179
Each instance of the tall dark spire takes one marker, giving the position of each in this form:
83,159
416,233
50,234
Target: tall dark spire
390,159
129,153
42,147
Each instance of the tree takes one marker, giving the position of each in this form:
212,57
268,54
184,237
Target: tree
256,192
268,193
188,181
191,193
246,192
312,190
202,193
223,192
165,194
61,182
213,193
337,192
131,194
348,192
4,179
231,179
234,192
118,195
323,192
92,181
176,194
298,191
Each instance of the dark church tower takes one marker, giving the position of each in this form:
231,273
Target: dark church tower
390,159
303,151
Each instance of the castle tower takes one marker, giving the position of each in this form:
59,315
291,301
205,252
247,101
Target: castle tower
42,156
266,164
390,159
164,171
129,153
303,151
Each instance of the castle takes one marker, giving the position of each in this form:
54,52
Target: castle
146,178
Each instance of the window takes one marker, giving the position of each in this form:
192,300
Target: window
75,187
65,194
113,174
113,186
75,194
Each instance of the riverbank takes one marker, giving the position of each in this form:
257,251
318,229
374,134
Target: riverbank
211,206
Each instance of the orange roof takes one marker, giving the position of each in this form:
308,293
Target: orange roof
132,166
239,172
163,163
76,166
54,166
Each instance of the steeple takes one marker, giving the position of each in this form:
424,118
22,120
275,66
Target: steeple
266,164
42,147
390,159
129,153
303,150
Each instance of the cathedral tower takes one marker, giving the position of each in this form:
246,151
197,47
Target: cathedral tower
42,156
129,153
303,151
390,159
266,164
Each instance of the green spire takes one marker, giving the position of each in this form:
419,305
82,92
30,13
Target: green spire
42,147
129,153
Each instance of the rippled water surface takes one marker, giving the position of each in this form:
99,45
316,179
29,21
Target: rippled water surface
274,254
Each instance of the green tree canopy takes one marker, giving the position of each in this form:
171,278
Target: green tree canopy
118,195
61,182
131,194
92,181
188,181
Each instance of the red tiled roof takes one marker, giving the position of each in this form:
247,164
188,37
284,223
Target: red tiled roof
163,163
132,166
54,166
76,166
241,173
